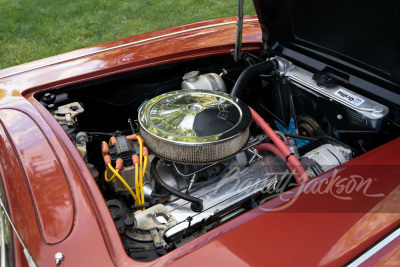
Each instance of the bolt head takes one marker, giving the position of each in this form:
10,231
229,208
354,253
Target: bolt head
58,257
129,222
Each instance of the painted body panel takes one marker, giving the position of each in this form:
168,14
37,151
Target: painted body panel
86,233
317,229
326,232
164,46
48,186
93,239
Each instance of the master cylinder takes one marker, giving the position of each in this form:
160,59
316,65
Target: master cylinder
208,81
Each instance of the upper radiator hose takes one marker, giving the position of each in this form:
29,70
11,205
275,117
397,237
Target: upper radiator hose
264,67
250,73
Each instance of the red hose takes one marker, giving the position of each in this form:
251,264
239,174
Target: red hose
293,163
272,148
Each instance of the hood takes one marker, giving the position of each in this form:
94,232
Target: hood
365,34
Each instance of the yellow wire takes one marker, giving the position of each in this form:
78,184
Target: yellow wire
123,181
105,173
137,183
141,154
144,165
141,180
102,148
139,174
112,177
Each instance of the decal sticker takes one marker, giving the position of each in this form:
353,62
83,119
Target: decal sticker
349,97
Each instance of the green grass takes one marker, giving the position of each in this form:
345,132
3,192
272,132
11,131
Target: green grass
35,29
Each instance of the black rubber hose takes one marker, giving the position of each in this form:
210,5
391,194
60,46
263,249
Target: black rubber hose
169,189
160,195
251,72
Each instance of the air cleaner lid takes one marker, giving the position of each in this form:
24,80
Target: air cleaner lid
194,116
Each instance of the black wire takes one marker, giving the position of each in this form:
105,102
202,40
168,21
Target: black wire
145,205
108,134
169,189
131,125
161,195
100,133
189,220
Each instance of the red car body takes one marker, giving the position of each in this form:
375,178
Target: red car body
57,207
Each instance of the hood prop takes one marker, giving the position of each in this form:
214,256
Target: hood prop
239,32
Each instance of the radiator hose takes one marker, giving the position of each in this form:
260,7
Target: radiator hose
284,152
279,148
251,72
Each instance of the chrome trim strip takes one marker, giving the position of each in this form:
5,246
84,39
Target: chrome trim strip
28,255
372,251
124,45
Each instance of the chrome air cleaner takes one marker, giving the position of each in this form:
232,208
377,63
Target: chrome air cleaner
194,126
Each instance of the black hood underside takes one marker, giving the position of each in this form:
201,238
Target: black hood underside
364,33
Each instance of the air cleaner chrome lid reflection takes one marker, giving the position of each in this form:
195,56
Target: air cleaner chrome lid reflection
194,116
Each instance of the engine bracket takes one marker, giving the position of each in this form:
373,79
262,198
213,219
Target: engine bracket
291,130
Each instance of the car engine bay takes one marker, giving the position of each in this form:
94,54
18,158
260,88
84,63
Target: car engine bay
179,149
